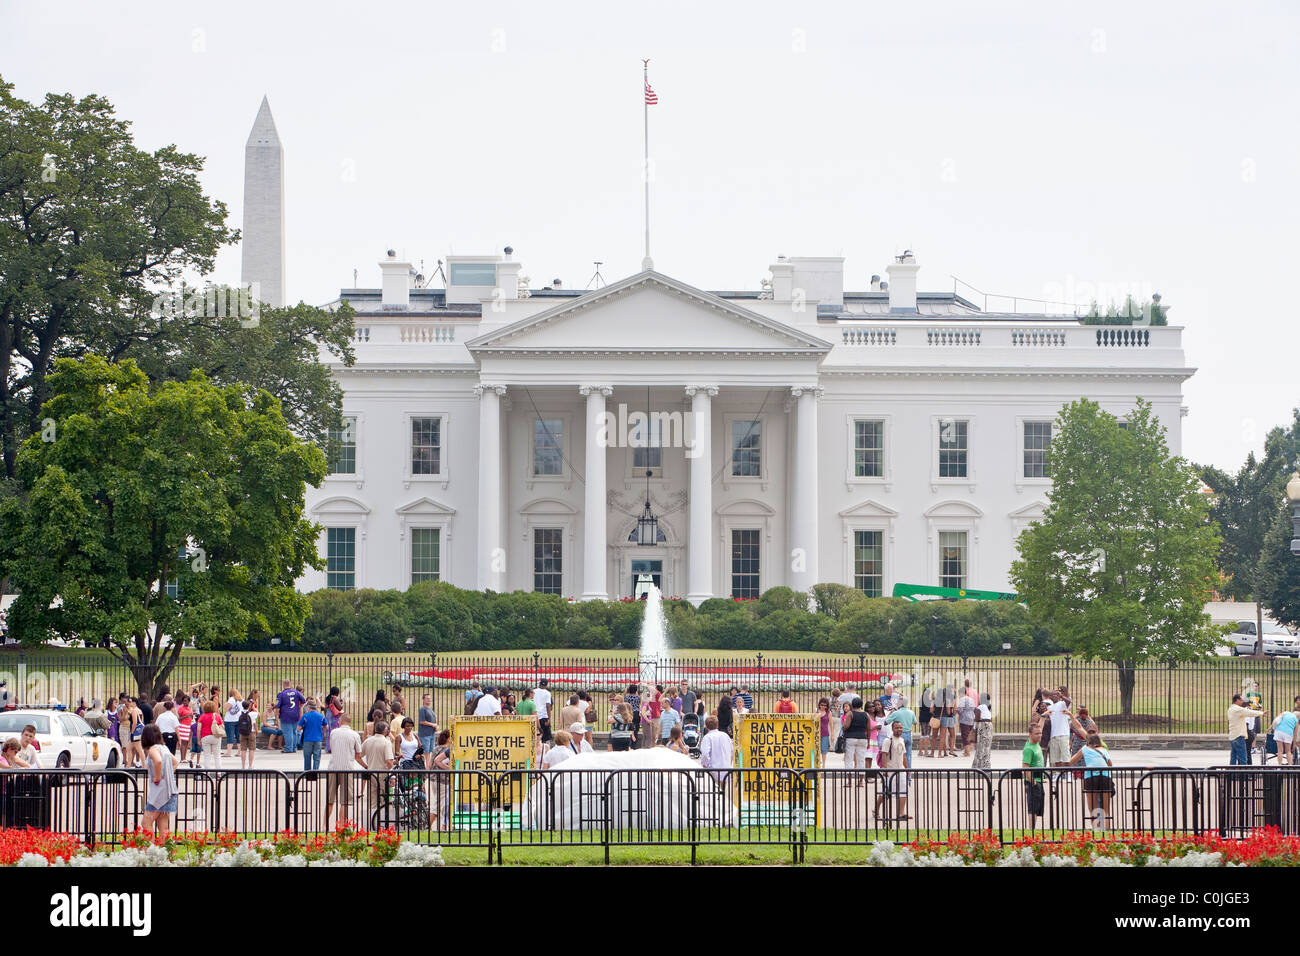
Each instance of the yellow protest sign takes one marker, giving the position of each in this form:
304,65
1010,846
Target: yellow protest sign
494,745
775,742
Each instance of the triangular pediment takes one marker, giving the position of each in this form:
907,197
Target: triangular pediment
649,312
424,507
1032,511
869,509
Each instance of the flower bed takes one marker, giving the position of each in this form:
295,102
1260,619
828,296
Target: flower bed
617,677
346,846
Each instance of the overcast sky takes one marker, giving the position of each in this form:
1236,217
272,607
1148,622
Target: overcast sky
1042,150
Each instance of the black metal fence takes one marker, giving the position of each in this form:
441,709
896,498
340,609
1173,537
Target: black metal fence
494,814
1168,698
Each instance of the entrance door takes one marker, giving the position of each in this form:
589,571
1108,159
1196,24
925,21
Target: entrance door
653,568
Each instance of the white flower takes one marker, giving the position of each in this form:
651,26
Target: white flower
1194,858
415,854
1024,856
1051,859
32,859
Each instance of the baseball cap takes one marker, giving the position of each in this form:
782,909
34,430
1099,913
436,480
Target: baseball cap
579,728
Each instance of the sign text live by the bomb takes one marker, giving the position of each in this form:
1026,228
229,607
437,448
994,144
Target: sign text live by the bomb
493,745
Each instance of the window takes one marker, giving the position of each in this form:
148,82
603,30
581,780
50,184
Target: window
952,559
868,449
650,456
426,446
342,445
425,554
952,448
1037,437
473,273
341,558
744,563
746,448
548,446
547,560
869,562
174,584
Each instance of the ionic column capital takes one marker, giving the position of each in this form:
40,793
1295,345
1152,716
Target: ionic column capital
481,389
710,390
816,391
589,390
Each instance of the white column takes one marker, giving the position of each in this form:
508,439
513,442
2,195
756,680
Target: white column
594,539
699,575
491,543
803,532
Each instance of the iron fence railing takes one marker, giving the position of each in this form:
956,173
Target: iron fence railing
1154,698
514,812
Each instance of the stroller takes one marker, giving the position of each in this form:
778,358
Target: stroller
691,733
404,805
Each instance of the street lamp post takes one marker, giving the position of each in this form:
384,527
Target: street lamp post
1293,495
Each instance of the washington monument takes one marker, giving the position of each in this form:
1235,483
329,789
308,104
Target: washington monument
263,232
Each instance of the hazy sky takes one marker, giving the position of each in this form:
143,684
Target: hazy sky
1042,150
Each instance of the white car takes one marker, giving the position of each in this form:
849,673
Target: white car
66,740
1278,641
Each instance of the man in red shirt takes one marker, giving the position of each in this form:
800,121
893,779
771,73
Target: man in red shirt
785,705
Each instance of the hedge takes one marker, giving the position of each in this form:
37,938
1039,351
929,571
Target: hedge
835,619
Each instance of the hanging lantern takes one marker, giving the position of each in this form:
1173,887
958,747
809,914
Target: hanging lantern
647,527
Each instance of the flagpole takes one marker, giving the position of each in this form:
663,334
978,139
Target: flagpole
646,263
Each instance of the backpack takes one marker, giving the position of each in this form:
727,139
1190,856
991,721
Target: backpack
245,723
471,705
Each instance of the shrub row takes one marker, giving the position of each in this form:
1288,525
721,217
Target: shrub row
837,619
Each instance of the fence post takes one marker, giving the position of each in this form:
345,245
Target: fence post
1272,683
537,668
1169,696
758,682
227,680
329,669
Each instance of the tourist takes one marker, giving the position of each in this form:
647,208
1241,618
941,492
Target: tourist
271,727
288,704
786,704
1097,784
397,699
578,741
508,705
588,715
333,710
542,697
948,721
876,727
185,729
377,756
145,705
394,718
621,728
311,727
234,710
489,704
1081,726
408,743
1238,717
571,713
338,783
896,758
824,726
983,736
248,728
168,724
1030,757
740,708
903,715
966,721
209,736
559,752
29,748
95,716
442,784
160,792
689,697
845,699
747,697
890,699
132,732
633,700
668,719
855,726
1253,700
1058,715
715,749
676,742
473,694
114,719
428,727
527,706
923,718
1284,736
726,715
970,692
381,704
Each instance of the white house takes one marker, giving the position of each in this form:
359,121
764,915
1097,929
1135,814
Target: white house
798,434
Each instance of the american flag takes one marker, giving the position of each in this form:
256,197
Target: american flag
651,97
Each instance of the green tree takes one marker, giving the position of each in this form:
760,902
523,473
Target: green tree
1279,579
132,488
1245,507
1122,563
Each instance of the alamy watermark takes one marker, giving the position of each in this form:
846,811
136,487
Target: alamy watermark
636,429
213,302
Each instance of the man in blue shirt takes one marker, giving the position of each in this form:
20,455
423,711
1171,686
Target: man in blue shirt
907,720
289,705
312,726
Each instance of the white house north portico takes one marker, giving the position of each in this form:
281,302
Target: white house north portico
506,438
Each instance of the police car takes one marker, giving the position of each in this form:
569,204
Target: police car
65,739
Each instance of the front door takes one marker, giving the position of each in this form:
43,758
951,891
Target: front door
653,568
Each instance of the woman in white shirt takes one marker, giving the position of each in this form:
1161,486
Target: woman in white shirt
234,708
560,750
408,742
983,736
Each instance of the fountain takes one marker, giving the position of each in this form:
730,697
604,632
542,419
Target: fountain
654,632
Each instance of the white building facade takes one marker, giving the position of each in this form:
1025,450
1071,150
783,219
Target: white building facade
497,438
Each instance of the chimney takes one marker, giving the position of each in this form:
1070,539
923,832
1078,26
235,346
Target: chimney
508,275
902,283
782,280
875,283
397,282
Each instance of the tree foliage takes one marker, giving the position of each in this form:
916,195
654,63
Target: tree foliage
1123,561
132,487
